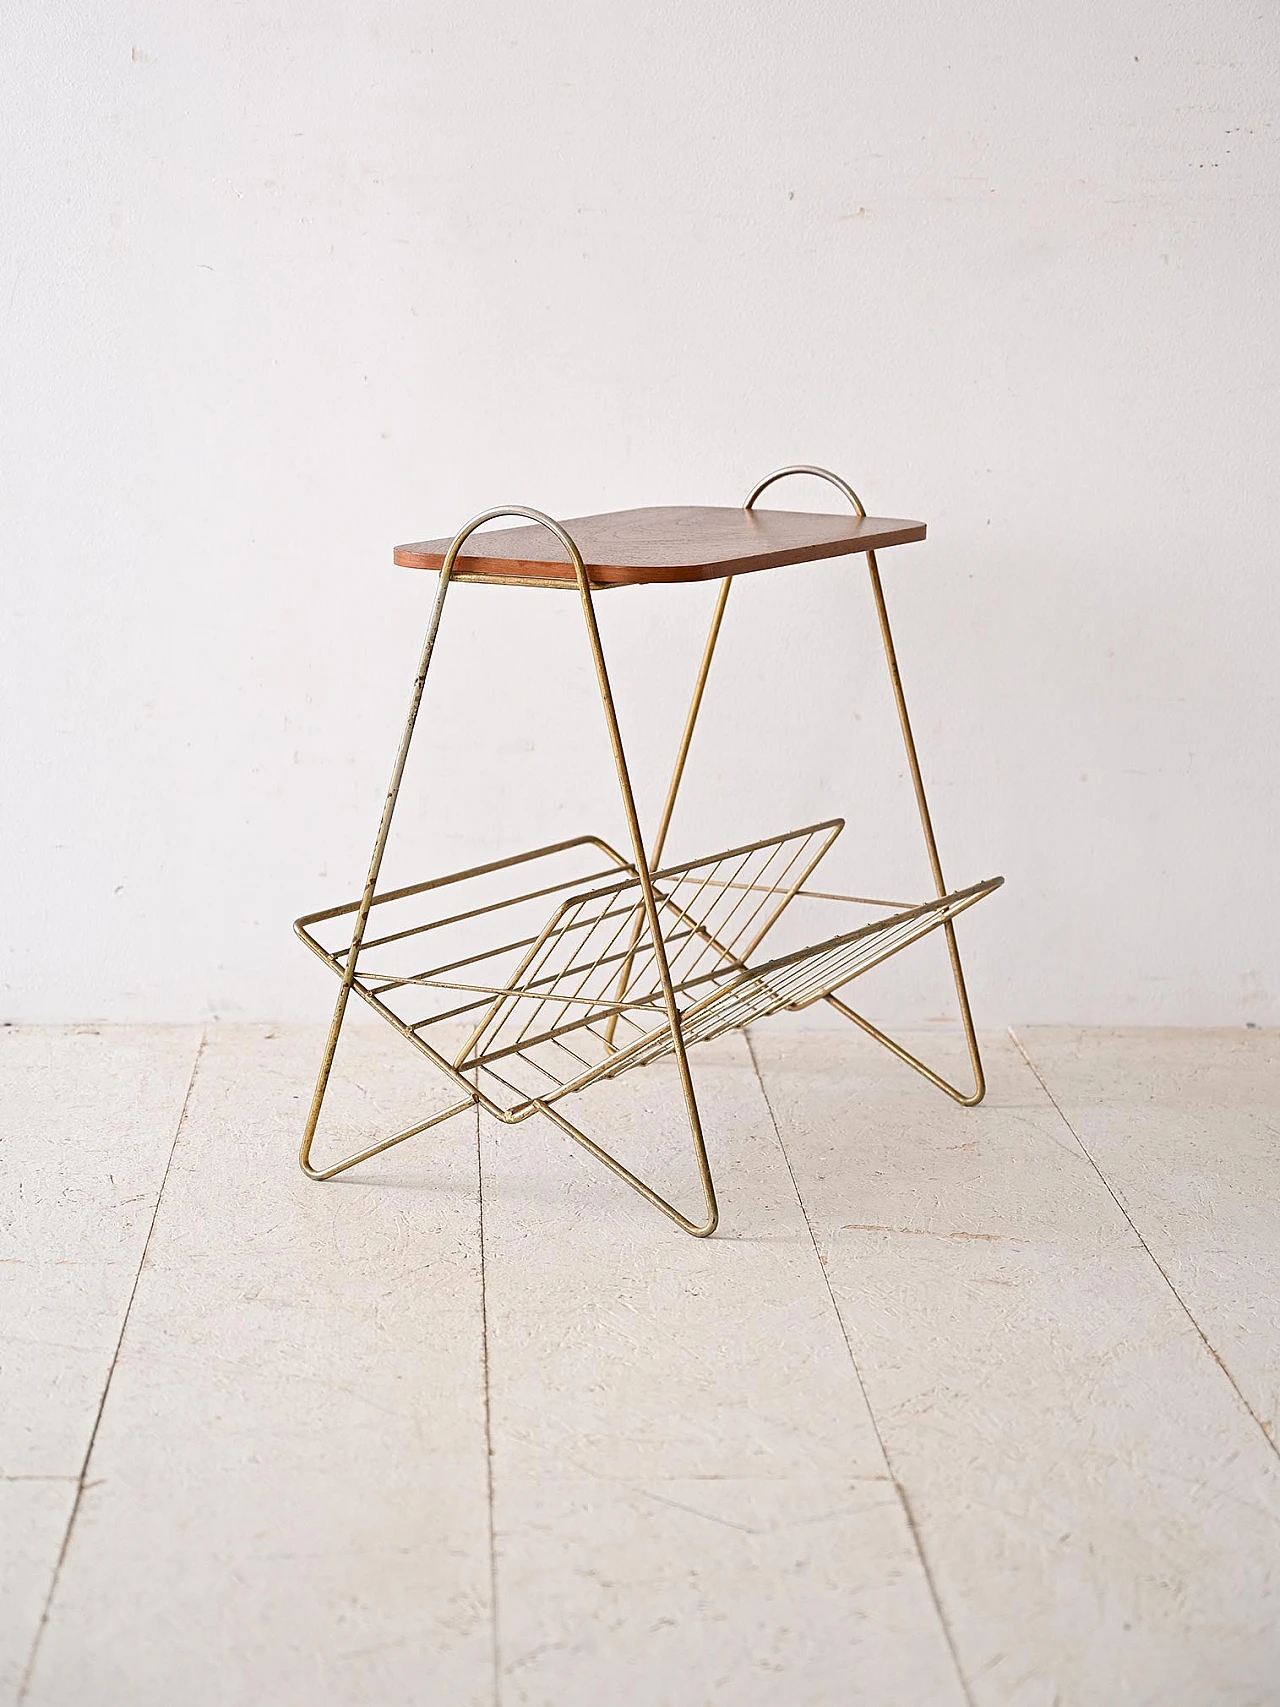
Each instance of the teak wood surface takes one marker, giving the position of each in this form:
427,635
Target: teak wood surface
676,542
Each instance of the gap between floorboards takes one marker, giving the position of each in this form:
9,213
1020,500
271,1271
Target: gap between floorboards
1155,1261
917,1539
28,1673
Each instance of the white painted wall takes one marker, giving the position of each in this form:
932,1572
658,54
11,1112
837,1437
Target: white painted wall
281,286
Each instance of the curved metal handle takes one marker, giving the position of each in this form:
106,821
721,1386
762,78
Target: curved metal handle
548,522
807,468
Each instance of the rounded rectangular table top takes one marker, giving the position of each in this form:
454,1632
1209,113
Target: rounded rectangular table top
675,542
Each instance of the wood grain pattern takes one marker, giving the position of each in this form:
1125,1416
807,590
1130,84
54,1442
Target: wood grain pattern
678,542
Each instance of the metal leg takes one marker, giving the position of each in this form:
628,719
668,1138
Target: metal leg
700,1229
386,1143
644,873
362,920
634,1180
673,787
968,1098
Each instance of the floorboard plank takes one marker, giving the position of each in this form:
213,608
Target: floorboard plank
289,1494
1101,1519
287,1497
89,1120
33,1520
88,1124
750,1593
691,1502
1185,1127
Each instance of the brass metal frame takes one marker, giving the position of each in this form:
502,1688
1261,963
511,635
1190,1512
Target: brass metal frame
665,951
969,1099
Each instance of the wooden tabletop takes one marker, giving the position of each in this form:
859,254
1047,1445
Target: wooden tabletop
677,542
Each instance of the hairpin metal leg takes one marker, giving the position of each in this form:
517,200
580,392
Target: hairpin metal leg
634,1180
644,873
968,1098
362,920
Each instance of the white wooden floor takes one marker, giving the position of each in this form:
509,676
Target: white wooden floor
962,1406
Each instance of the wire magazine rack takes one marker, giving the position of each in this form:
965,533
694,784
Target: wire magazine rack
531,978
